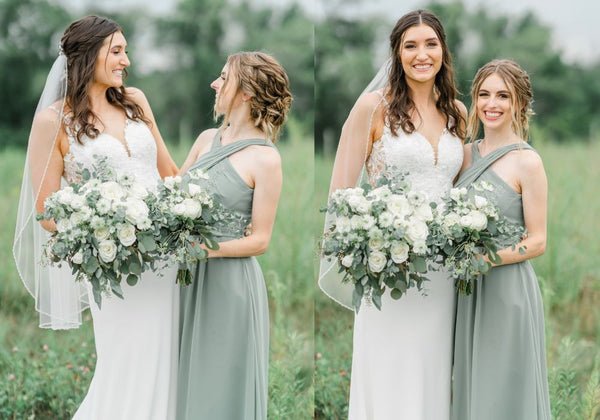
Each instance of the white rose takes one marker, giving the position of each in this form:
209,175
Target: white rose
376,243
77,218
77,202
451,219
424,212
398,205
480,201
478,220
377,261
126,234
466,221
193,209
417,230
103,206
137,190
347,260
77,258
111,190
399,252
63,225
135,210
107,250
101,234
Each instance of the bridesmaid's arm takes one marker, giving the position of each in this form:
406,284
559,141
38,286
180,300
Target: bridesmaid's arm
267,189
201,145
534,193
164,162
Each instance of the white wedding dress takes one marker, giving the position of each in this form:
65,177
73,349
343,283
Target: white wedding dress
136,338
402,358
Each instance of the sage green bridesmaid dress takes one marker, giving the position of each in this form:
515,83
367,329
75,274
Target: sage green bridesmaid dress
499,352
224,315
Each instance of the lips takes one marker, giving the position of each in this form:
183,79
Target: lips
422,67
492,115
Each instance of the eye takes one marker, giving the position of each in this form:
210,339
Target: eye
409,46
483,94
432,44
504,96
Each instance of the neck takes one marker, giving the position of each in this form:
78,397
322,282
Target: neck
97,95
494,138
240,127
422,94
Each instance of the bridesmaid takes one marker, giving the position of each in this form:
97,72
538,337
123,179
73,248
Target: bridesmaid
224,317
499,354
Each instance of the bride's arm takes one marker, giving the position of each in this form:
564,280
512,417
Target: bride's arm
364,123
164,162
44,149
267,189
534,193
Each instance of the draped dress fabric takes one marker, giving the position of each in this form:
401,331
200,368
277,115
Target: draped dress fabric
136,337
402,356
500,355
224,338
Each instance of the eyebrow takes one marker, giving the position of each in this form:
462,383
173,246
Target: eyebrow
427,40
500,91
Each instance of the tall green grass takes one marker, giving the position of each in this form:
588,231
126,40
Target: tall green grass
569,276
45,374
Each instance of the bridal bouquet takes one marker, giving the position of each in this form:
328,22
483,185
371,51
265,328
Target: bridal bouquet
188,212
467,228
379,237
104,229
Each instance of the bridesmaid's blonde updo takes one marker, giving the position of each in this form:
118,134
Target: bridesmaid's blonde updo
517,81
262,78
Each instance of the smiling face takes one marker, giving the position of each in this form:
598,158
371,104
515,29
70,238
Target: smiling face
112,61
494,103
421,53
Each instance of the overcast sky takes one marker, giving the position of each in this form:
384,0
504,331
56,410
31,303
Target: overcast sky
576,30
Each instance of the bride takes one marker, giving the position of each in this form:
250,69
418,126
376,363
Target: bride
86,112
401,366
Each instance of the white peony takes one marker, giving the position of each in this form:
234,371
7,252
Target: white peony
480,201
193,209
377,261
478,220
178,209
111,191
107,250
63,225
77,202
195,189
359,204
451,219
398,205
126,234
399,252
77,218
347,260
137,190
65,195
466,221
135,210
424,212
77,258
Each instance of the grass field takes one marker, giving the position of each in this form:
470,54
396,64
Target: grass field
569,276
45,374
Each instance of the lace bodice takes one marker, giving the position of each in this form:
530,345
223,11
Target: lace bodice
413,154
137,159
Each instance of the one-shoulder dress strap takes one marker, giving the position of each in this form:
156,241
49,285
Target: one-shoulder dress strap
479,164
218,152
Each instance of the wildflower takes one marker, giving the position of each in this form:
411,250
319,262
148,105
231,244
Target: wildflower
11,377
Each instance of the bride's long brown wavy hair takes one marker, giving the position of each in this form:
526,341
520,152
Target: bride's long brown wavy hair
400,101
81,43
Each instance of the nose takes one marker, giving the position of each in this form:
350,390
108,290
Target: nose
125,61
215,84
